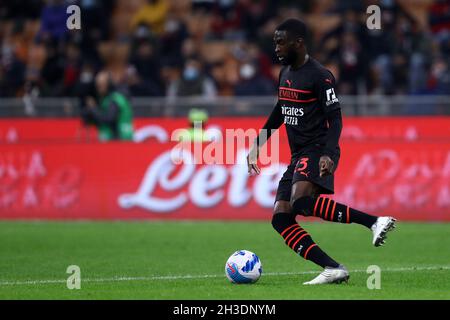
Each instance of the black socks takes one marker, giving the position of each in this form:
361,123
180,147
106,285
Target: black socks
331,210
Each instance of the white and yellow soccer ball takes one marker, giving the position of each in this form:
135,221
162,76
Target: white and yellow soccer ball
243,266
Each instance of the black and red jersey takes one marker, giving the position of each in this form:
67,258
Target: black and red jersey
306,98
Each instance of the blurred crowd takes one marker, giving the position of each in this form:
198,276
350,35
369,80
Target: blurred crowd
218,47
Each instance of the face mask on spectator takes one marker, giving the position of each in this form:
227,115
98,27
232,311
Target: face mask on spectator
86,77
190,73
247,71
171,26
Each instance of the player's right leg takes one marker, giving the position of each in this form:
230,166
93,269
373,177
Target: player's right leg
333,272
283,221
301,243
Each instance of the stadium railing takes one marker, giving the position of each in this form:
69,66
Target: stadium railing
363,105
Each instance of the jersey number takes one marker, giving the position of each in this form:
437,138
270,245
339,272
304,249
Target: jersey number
303,162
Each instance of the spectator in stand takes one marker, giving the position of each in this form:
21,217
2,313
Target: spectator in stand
172,39
226,20
350,24
53,21
439,16
52,72
84,89
203,5
252,83
344,44
20,10
397,59
12,71
193,82
134,86
153,14
439,81
85,85
95,18
95,27
189,48
147,62
72,68
419,57
352,64
255,14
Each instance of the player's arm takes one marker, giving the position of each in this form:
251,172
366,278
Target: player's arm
334,118
325,85
273,122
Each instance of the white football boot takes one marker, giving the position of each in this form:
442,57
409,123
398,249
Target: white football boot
380,228
331,275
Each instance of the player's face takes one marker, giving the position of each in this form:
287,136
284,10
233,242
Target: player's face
284,48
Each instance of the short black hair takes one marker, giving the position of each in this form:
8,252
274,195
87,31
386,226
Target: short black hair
294,27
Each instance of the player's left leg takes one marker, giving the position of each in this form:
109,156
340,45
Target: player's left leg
331,210
307,169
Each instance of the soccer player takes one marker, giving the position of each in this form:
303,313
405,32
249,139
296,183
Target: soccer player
309,108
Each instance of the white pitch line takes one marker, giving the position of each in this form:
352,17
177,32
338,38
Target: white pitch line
187,277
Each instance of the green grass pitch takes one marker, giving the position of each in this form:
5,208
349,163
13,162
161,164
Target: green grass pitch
185,260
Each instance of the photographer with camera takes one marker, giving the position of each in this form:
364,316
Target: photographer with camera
112,115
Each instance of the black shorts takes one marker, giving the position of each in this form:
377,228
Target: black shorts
304,166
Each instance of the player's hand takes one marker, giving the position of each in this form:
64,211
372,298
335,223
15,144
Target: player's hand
252,166
326,166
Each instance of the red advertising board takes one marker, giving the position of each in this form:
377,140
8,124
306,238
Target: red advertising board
59,178
358,129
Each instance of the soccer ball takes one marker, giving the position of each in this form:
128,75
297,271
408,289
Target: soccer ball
243,266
